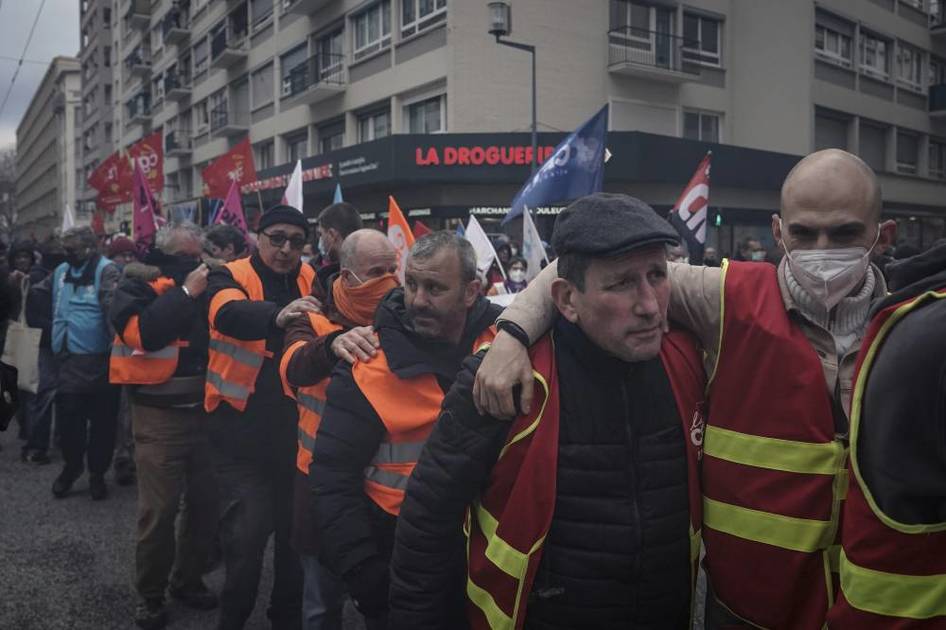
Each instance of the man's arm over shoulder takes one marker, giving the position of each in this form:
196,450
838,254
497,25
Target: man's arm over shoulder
695,304
348,439
428,569
233,313
314,360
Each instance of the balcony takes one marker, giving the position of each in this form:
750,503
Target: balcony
650,55
174,27
138,13
138,63
224,122
938,100
227,48
317,78
176,87
178,143
139,109
303,7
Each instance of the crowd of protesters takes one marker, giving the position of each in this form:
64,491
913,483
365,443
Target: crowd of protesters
407,445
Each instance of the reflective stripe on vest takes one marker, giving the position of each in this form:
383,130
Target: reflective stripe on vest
167,352
305,440
311,403
228,389
242,355
890,571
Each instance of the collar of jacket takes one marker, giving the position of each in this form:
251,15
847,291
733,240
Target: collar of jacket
586,352
411,355
915,275
267,275
85,274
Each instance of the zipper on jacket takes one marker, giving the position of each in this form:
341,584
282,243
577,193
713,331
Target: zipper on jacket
633,478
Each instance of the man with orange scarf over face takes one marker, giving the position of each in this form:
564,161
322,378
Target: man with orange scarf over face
314,344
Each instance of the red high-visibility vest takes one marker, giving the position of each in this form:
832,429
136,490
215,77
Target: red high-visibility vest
408,408
893,575
234,364
507,525
774,474
131,364
310,400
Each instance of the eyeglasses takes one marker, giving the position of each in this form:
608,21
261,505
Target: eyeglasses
279,239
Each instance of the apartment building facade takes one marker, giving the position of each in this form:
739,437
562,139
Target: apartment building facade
338,81
45,151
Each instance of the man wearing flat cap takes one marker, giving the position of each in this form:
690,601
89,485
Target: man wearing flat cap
252,422
582,513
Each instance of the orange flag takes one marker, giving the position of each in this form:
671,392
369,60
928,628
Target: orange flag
399,233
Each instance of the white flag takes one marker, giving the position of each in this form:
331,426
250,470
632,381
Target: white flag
293,195
485,254
532,250
68,218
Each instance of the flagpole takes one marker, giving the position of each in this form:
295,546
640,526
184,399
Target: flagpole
259,198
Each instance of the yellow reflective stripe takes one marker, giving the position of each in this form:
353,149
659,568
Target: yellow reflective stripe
787,532
891,594
695,542
773,453
535,423
856,410
495,617
226,388
509,559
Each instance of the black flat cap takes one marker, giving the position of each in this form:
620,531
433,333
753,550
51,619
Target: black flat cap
283,214
606,224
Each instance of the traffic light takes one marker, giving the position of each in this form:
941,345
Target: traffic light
719,219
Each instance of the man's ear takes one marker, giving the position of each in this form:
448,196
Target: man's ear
888,236
564,294
777,231
471,292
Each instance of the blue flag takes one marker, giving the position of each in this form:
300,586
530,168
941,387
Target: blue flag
574,170
460,231
338,194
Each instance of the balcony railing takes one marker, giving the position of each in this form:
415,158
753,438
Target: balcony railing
138,12
938,100
139,58
225,42
140,106
174,81
322,70
224,120
175,25
177,141
640,51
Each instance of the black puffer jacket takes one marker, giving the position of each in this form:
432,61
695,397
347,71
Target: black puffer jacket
617,553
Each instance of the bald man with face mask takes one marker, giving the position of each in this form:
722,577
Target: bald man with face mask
781,345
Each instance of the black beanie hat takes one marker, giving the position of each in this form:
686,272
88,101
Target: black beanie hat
283,214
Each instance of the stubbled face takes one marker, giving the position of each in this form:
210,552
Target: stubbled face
436,297
374,258
124,258
77,252
331,241
23,261
623,308
285,257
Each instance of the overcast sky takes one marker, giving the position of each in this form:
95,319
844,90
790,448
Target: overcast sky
57,33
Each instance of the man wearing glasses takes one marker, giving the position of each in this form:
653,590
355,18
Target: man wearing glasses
252,423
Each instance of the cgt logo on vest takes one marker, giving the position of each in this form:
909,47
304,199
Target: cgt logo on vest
697,426
479,156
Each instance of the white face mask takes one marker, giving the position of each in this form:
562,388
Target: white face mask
758,255
517,275
322,248
830,274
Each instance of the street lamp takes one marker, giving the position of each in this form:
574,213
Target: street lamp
500,25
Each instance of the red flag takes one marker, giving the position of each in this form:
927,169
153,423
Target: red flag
112,179
420,229
689,215
236,165
98,222
145,223
148,153
400,235
232,211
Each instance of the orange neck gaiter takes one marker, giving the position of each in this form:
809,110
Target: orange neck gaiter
358,304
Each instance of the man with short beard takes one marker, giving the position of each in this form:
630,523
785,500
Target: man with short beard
379,413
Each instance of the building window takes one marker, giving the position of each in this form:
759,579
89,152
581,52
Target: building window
831,129
910,66
374,125
701,39
873,147
631,19
107,16
331,56
157,38
908,146
833,46
937,71
419,15
293,70
297,146
703,126
108,95
265,155
107,56
331,137
201,119
261,12
201,51
874,56
427,116
372,29
262,86
937,159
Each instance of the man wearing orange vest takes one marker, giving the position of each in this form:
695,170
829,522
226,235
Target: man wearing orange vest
780,346
584,513
343,331
380,412
893,539
160,353
253,423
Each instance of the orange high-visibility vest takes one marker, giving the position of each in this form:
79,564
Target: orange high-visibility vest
234,364
131,364
310,400
893,574
408,408
507,524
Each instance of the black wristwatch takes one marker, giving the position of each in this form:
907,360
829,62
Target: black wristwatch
515,330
